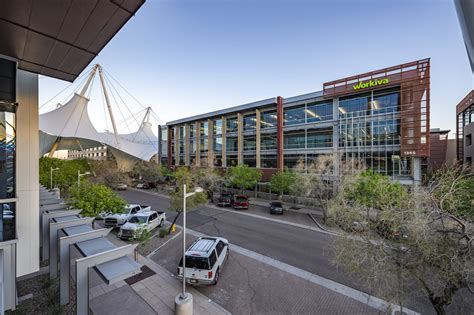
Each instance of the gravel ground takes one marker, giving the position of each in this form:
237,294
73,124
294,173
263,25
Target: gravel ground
45,298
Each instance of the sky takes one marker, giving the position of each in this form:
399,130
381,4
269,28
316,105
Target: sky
187,57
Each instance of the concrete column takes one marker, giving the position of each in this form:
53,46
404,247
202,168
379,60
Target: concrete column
335,137
210,139
416,170
168,144
240,142
27,173
160,140
224,128
198,143
176,144
257,139
186,144
280,161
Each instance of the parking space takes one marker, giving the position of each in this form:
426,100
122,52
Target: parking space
247,286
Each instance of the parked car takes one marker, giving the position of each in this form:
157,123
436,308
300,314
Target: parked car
204,260
121,186
148,220
225,199
143,186
276,207
113,220
240,202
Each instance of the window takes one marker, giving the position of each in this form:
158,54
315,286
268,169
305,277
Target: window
7,151
294,161
268,161
7,221
250,122
203,144
294,116
217,144
386,103
232,124
250,143
231,144
219,247
212,259
468,140
195,262
268,119
204,129
181,132
217,160
294,139
319,138
250,160
192,130
217,127
354,106
192,146
318,112
268,142
232,160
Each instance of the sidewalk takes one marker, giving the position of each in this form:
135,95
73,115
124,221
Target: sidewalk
154,294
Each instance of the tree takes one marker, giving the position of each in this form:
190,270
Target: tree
244,177
209,179
149,172
399,241
183,176
282,182
66,176
94,199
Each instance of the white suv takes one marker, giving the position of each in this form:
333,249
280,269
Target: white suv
204,260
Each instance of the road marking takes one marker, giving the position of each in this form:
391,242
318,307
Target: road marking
357,295
307,227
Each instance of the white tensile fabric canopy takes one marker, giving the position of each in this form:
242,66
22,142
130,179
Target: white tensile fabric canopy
68,127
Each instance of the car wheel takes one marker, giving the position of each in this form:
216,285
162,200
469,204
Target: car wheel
216,278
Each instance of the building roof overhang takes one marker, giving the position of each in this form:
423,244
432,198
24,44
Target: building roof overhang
59,38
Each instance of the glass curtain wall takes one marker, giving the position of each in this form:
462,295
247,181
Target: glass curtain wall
7,170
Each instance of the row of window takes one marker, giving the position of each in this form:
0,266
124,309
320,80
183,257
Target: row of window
383,102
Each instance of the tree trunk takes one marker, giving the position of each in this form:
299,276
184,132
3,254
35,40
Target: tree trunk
174,221
439,307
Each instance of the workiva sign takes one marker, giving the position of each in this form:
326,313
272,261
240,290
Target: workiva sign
368,84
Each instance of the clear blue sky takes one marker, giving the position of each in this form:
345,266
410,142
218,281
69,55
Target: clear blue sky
185,57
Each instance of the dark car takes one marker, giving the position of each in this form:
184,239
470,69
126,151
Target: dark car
240,202
225,199
276,207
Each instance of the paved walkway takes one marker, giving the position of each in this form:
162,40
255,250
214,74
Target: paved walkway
152,295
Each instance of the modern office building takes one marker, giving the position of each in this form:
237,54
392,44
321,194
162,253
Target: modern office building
442,149
380,118
96,153
57,39
465,129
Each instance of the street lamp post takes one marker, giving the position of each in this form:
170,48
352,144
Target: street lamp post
79,175
51,177
184,301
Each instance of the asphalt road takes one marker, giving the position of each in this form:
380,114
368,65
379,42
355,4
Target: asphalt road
306,249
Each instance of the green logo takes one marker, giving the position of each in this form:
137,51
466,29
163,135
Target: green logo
372,83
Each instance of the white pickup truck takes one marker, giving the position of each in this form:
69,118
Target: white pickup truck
148,220
117,219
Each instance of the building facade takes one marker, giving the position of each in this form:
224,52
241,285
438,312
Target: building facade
465,128
379,118
97,153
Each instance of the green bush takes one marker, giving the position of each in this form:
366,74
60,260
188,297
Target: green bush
63,178
244,177
142,235
94,198
163,232
282,182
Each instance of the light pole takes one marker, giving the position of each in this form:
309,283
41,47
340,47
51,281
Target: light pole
51,177
184,301
79,175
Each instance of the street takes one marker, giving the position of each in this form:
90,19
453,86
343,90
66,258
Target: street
250,286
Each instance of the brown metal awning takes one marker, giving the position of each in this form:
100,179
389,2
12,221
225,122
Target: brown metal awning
59,38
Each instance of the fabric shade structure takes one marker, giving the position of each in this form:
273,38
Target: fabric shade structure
68,127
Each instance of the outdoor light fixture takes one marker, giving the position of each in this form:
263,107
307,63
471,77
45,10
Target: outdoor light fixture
79,175
51,177
184,301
